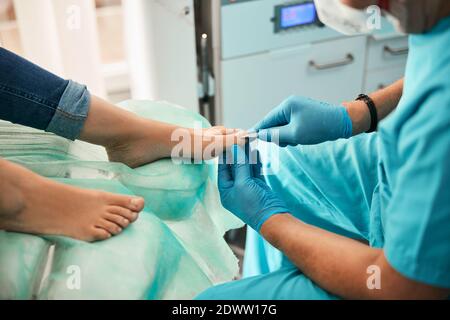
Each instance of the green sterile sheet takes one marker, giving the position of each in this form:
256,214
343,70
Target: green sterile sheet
173,251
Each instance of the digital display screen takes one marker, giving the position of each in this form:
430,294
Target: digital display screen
297,15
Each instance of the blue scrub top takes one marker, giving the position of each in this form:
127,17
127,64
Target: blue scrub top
414,165
391,188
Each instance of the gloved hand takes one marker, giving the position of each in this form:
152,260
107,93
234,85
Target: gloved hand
244,192
301,120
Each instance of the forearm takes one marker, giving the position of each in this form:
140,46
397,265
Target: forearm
386,100
335,263
339,264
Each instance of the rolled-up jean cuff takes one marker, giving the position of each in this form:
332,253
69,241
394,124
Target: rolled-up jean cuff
72,111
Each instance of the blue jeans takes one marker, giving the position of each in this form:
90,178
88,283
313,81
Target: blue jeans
34,97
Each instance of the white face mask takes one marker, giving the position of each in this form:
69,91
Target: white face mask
343,18
409,16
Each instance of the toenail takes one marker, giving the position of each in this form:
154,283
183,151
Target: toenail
135,202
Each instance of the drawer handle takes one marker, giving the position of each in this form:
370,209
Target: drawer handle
396,51
348,60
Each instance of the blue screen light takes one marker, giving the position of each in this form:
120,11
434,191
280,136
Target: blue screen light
298,15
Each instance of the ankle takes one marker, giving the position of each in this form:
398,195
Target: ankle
12,198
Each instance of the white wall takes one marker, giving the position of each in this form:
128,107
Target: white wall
161,50
61,36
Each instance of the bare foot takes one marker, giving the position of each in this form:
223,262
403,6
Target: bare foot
136,141
143,147
32,204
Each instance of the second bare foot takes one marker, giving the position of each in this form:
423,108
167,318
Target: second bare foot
32,204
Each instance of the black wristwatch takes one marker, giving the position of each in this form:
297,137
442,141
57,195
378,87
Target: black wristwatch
373,111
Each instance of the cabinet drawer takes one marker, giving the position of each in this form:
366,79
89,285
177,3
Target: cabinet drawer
386,53
251,86
379,79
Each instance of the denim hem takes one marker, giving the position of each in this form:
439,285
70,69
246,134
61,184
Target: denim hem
72,111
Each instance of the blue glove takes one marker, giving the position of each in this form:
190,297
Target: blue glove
301,120
244,192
